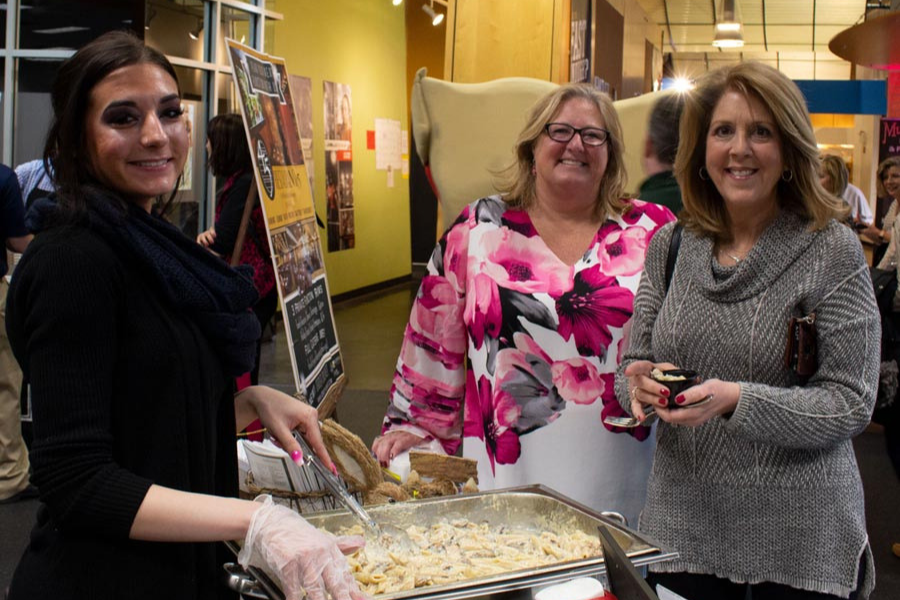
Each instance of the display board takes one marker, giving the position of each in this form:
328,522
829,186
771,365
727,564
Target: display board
270,122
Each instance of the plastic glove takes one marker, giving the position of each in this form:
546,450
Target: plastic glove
304,559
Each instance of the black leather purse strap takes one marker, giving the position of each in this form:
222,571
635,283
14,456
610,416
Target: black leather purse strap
672,256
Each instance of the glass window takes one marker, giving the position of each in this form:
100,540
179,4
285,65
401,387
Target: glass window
236,25
175,29
33,109
228,100
269,39
189,202
70,24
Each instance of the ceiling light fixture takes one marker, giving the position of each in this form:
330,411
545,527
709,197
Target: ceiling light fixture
729,30
195,34
436,17
397,2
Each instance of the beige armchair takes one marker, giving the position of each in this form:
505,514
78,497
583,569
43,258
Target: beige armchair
465,133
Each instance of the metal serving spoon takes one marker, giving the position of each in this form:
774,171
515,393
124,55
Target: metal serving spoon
385,533
649,416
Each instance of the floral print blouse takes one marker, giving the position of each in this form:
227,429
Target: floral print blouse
515,352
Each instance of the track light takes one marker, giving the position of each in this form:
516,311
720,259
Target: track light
151,14
436,17
396,2
729,31
195,34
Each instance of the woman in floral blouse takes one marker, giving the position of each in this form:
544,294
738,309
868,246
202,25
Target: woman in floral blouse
520,322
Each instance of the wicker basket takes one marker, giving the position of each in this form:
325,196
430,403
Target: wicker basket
312,500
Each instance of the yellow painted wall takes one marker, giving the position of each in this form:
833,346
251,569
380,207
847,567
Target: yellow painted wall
361,43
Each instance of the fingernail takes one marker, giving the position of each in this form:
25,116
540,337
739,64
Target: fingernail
664,392
663,402
679,399
334,470
297,456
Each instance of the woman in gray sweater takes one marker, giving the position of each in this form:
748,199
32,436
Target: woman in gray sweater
758,486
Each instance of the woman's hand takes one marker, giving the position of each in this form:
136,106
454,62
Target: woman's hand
723,398
393,443
207,238
304,559
645,391
873,233
281,414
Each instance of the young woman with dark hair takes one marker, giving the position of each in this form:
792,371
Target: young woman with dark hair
129,334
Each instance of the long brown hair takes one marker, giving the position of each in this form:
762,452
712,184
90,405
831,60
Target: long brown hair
65,148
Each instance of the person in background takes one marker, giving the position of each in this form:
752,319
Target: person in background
660,186
519,324
34,181
880,231
14,465
836,179
229,158
130,334
764,466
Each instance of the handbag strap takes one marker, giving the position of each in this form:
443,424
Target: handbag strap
672,256
249,204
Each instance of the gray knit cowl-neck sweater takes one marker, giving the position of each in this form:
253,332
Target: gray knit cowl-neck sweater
772,493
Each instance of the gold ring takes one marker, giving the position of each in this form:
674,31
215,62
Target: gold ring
634,394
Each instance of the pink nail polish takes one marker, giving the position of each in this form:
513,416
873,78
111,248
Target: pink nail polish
297,456
334,470
679,399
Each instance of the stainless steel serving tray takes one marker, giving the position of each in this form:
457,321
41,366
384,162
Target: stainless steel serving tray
532,507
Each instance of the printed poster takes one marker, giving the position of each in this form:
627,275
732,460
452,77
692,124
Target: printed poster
339,166
302,89
888,139
283,186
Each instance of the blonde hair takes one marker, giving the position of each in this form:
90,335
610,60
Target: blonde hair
517,181
802,193
836,169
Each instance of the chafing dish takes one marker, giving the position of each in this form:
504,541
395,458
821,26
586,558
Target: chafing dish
532,507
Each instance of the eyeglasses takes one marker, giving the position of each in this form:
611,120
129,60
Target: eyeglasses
563,132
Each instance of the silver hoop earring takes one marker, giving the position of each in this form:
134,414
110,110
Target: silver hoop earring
787,175
704,174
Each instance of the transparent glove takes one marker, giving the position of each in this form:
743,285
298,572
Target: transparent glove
302,558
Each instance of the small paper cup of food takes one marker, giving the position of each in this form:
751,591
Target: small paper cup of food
676,380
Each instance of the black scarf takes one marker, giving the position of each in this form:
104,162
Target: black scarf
217,297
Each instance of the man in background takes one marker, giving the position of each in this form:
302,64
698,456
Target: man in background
660,147
14,465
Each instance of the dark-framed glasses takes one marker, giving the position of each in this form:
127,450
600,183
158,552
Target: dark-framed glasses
563,132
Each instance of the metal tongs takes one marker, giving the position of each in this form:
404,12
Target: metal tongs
336,486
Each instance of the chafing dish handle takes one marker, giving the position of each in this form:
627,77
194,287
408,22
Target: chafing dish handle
250,582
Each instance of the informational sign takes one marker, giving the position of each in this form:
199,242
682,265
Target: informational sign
339,165
888,139
274,137
302,90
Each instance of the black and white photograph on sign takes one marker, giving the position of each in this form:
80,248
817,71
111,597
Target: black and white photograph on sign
339,165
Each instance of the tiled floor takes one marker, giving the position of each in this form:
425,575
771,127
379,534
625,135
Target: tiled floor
370,330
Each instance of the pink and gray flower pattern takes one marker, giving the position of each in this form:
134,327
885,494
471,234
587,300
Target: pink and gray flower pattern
504,337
